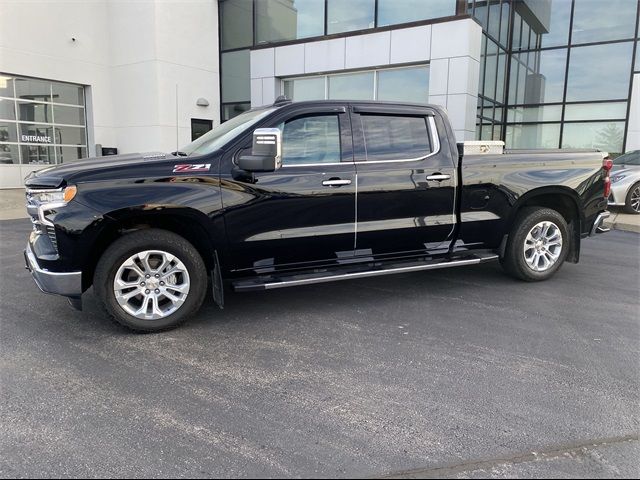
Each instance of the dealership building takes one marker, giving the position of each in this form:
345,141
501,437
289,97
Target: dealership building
92,77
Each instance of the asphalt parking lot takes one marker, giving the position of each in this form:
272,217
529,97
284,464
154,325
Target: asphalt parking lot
449,373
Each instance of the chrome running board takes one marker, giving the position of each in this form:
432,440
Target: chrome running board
307,278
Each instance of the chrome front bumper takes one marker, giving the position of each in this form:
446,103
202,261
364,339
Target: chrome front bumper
68,284
597,225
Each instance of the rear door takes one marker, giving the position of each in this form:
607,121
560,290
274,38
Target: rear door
302,214
407,181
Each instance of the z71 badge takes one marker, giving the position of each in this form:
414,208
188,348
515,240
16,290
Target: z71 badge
193,167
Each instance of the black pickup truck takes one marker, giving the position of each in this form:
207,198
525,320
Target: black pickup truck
300,193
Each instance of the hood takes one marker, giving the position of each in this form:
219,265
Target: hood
59,175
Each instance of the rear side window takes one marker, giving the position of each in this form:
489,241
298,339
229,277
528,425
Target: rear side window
311,140
391,137
631,158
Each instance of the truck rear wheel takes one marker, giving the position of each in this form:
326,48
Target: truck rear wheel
538,244
151,280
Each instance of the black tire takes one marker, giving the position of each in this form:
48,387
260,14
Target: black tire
150,239
514,262
627,201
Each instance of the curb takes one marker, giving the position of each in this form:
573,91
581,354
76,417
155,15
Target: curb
626,227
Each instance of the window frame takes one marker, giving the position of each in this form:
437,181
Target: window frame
360,156
311,115
286,114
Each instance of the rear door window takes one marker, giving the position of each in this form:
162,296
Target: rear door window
394,137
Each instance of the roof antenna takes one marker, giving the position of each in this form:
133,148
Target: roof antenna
177,129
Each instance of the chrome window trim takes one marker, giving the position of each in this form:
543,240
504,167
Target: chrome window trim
435,142
317,164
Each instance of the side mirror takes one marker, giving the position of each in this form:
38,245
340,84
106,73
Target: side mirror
266,152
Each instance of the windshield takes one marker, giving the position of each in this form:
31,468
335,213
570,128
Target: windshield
630,158
216,138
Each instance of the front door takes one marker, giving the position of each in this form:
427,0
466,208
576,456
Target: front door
302,214
406,182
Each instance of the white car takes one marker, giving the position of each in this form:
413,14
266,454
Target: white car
625,182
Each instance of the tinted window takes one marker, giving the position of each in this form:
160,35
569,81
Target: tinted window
388,137
278,21
236,23
305,89
538,77
545,135
68,115
354,86
631,158
614,67
597,21
67,93
404,84
236,83
402,11
605,136
313,139
352,15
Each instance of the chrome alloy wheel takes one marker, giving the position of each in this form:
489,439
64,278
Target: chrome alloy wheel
151,285
635,199
542,246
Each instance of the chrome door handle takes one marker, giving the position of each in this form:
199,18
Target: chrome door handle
438,177
336,183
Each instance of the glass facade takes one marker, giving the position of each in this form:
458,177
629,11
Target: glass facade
246,24
569,67
409,84
548,67
41,121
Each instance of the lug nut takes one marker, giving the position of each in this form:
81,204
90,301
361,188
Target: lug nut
147,275
157,276
142,284
161,283
147,291
157,290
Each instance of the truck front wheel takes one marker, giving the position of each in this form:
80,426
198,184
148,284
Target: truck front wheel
538,244
151,280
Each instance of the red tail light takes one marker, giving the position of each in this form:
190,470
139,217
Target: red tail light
607,165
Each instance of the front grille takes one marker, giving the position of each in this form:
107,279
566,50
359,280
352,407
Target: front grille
51,233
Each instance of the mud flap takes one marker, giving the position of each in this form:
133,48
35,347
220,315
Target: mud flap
216,282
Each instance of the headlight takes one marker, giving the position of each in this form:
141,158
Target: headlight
617,178
46,200
59,197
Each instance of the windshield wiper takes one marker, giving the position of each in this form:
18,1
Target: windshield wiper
180,154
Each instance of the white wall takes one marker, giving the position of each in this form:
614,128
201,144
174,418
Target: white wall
633,132
131,54
452,48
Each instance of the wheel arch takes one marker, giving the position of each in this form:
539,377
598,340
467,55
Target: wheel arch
565,201
193,225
